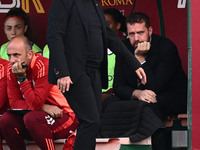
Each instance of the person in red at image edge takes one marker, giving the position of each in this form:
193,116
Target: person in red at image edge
28,88
3,88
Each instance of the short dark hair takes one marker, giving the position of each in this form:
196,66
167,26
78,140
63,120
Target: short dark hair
117,16
138,17
28,44
19,12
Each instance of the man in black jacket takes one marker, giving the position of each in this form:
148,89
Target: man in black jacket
166,89
78,37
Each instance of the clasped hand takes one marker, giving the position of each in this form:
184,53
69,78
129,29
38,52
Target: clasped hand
145,95
142,48
140,52
52,110
17,68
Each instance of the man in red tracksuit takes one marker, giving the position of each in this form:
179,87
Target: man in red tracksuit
3,85
50,116
3,88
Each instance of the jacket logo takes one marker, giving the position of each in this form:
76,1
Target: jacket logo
57,72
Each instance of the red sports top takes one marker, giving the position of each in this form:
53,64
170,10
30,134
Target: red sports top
3,85
35,92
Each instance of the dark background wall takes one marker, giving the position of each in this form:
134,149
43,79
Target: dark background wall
167,18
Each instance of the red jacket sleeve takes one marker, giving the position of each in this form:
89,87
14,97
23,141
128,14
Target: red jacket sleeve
33,93
14,93
3,83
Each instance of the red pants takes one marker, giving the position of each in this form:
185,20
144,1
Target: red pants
0,138
36,125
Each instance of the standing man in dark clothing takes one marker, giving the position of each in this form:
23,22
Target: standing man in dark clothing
78,37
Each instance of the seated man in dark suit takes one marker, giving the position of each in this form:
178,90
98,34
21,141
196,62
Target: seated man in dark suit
166,89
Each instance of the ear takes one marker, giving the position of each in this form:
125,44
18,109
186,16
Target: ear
25,28
150,30
4,28
5,31
30,54
118,26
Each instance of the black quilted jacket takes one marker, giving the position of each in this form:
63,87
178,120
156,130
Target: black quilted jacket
133,119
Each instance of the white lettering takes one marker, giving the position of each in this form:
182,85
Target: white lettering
181,3
50,120
4,8
122,11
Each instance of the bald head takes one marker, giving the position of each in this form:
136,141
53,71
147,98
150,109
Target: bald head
21,41
18,50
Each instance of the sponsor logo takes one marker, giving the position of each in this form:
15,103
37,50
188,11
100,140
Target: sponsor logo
50,120
181,4
116,2
24,4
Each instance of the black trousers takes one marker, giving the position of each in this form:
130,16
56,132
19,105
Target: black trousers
84,97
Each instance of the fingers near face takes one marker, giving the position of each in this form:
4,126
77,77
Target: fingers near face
144,46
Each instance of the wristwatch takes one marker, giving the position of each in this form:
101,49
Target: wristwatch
21,78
